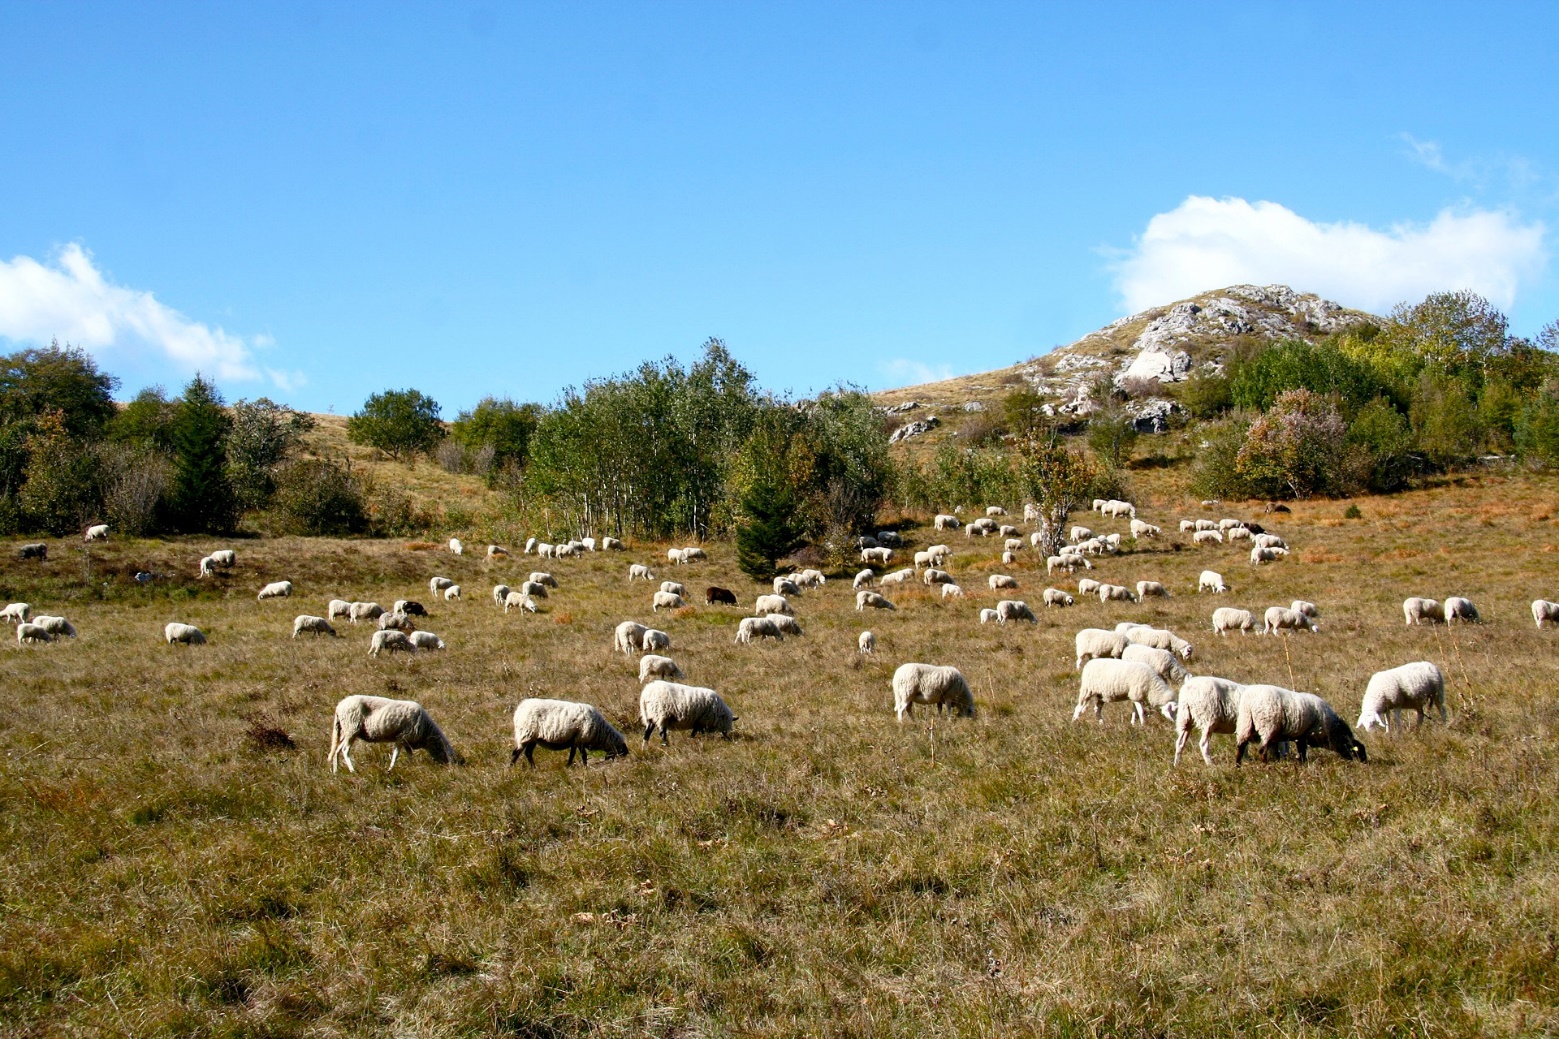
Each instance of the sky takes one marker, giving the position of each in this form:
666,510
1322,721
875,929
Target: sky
315,202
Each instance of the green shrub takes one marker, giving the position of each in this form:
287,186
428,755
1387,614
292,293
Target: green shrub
1385,444
1537,428
1215,473
315,496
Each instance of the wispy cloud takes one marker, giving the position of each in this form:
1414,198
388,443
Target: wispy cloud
1207,243
70,299
904,371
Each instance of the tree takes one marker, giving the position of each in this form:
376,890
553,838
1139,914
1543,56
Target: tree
1112,434
500,426
1056,479
146,421
401,423
58,379
202,499
1456,332
769,529
1297,448
62,492
264,435
1382,434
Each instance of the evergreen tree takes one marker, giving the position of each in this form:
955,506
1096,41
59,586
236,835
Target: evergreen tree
202,498
770,528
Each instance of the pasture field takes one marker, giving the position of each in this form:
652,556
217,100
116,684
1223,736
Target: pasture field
179,860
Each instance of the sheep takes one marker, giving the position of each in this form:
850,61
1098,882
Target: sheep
519,601
1543,610
1204,537
1212,705
981,527
545,550
55,625
1161,661
565,551
1113,681
96,532
1036,539
494,551
1460,609
772,604
1266,555
1014,610
338,608
1187,526
1420,611
867,541
640,571
1056,597
500,592
690,554
883,556
1087,586
588,544
757,628
1227,523
452,593
1159,638
393,621
1008,531
318,625
1309,609
456,547
922,559
1118,508
1012,545
1239,534
275,590
995,510
940,554
26,633
653,666
1205,524
1281,618
786,624
542,577
208,566
945,522
410,607
890,538
390,640
1008,558
1116,593
1093,643
864,599
667,705
364,611
1140,529
376,719
952,591
656,639
934,576
1416,686
560,725
187,634
1151,588
997,581
426,640
785,586
989,617
36,550
530,545
1227,618
897,577
1030,513
1268,541
438,584
714,595
18,612
674,556
629,636
612,545
533,590
944,688
1211,581
864,579
867,643
225,558
1271,714
1067,563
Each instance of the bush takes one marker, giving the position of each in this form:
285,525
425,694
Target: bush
1112,434
1216,473
1381,435
1205,395
135,485
62,491
1297,449
319,497
1537,428
401,423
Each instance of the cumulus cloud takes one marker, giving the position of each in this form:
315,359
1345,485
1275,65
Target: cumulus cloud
1207,243
70,300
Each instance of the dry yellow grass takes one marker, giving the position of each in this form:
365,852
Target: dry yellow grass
173,867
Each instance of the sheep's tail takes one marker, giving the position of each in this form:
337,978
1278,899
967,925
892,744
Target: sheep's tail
335,738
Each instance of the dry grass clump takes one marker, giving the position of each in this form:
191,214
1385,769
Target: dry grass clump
173,868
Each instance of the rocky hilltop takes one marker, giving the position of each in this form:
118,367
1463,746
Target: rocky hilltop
1141,353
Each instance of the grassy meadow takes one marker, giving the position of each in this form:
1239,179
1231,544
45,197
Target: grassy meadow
178,858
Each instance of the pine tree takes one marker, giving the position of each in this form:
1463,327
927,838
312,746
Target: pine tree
769,531
202,498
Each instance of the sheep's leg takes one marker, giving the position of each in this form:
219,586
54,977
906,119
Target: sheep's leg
395,752
1206,743
570,760
1180,741
514,756
649,730
1239,753
346,756
1304,746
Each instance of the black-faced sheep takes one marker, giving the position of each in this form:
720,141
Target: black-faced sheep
1270,714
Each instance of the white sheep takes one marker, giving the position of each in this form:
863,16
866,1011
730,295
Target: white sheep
26,633
376,719
1036,539
1260,555
588,544
655,639
397,621
1008,531
390,641
1227,618
187,634
995,510
933,576
1140,529
1420,611
542,577
438,584
668,705
545,550
1093,643
785,586
654,666
425,640
1205,524
640,571
883,556
563,725
1265,540
338,608
788,625
1270,714
1210,704
97,532
772,604
979,528
674,588
1159,638
1115,681
519,601
1460,609
1543,610
940,554
275,590
690,554
1309,609
867,643
567,550
1229,524
1187,526
1012,546
757,628
988,616
1204,537
1087,586
409,607
898,576
612,545
944,688
999,581
1080,534
922,559
1410,686
500,592
452,593
530,545
55,625
1211,581
493,551
952,591
629,636
18,612
864,599
456,547
1116,593
306,622
1160,660
1151,588
364,611
533,589
1067,563
1014,610
1281,618
945,522
1056,597
1239,534
1008,558
864,579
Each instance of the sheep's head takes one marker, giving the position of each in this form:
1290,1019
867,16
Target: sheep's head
1342,740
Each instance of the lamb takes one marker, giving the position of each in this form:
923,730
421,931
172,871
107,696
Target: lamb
1159,638
1056,597
934,576
629,637
426,640
640,571
884,556
438,584
785,586
1087,586
1309,609
1543,610
1115,681
653,666
772,604
757,628
97,532
1281,618
656,639
998,581
533,590
1014,610
318,625
612,545
519,601
1093,643
1140,529
1212,705
787,625
376,719
1416,686
542,577
452,593
945,522
1227,618
952,591
714,595
1266,555
410,607
867,643
1161,661
1460,609
864,599
500,592
36,550
188,634
667,705
275,590
26,633
989,617
1270,714
1421,611
1204,537
864,579
456,547
898,576
390,641
364,611
1151,588
1211,581
941,687
563,724
396,622
1116,593
18,612
55,625
493,551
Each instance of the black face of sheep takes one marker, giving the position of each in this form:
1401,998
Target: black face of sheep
414,609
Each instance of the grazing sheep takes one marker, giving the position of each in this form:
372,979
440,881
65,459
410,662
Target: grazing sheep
376,719
997,581
883,556
1036,539
565,551
1115,681
1187,526
1067,563
988,617
1116,593
1270,714
36,550
452,593
940,554
934,576
500,591
18,612
1266,555
1268,541
1204,537
867,643
1014,610
1421,611
890,538
97,532
1416,686
653,666
995,510
1460,609
786,624
1080,534
1151,588
922,559
494,551
318,625
629,637
426,640
1239,534
1056,597
1009,532
1008,558
588,544
533,589
1093,643
1140,529
785,586
1212,705
1160,660
655,639
772,604
674,556
275,590
456,547
867,541
396,622
898,576
1159,638
1229,524
55,625
563,725
390,641
542,577
338,608
519,601
1118,508
530,545
1309,609
981,527
1227,618
714,595
945,522
640,571
864,599
952,591
1281,618
757,628
941,687
1087,586
29,633
410,607
1211,581
438,584
612,545
1012,545
690,554
667,705
1543,610
1205,524
864,579
187,634
364,611
545,550
208,566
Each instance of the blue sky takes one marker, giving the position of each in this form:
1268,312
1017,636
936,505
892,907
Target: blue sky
315,202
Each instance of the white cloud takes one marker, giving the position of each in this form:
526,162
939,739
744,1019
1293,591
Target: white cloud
903,371
1207,243
71,301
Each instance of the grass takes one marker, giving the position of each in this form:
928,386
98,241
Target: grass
179,859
